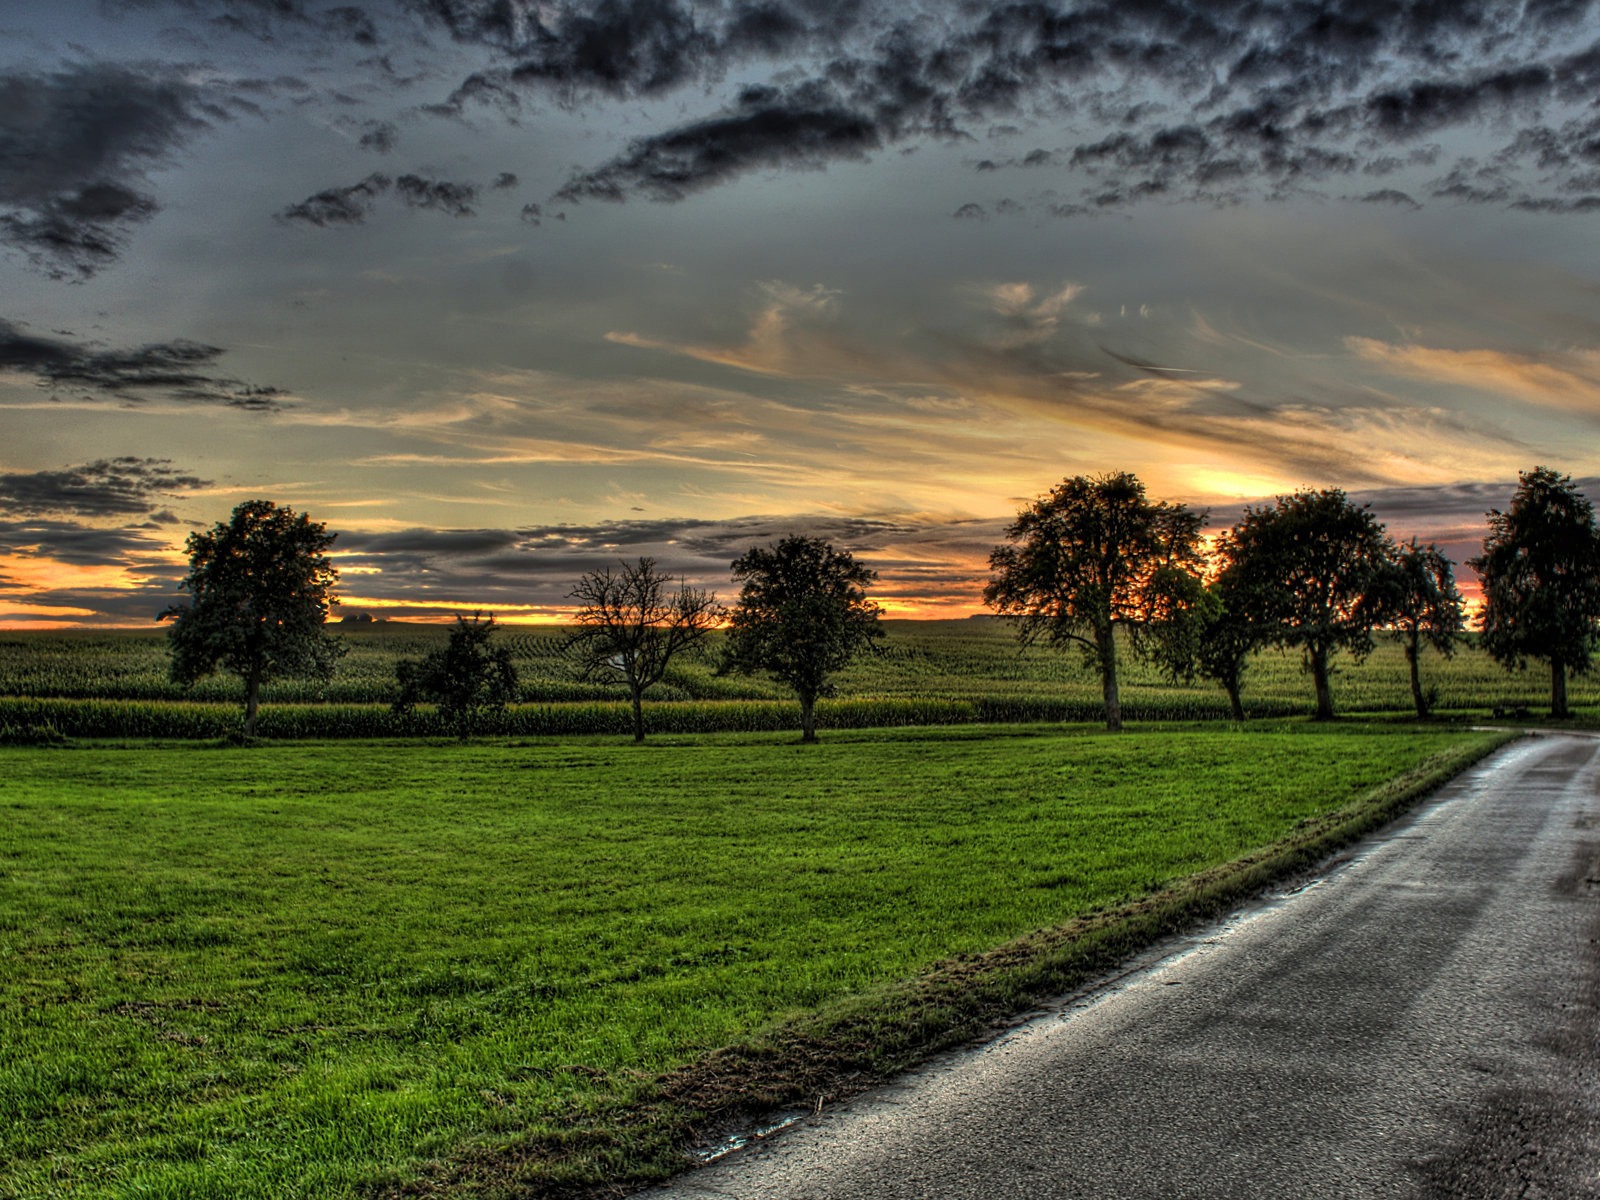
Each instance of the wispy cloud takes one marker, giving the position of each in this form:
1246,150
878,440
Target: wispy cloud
178,370
1566,379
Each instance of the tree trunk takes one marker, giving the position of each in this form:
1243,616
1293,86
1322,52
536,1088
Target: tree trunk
1558,689
1413,653
252,699
1106,640
638,713
808,717
1231,686
1319,674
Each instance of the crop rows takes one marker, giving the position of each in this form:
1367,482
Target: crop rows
972,667
170,719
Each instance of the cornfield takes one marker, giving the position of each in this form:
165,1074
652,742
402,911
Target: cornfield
115,684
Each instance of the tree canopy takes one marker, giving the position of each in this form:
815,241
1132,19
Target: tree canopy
632,622
260,585
1416,591
1540,570
468,679
1095,554
802,614
1306,566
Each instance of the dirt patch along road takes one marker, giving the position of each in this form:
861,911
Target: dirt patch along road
1420,1021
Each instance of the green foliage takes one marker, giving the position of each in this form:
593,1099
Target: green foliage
1416,592
467,680
29,733
260,585
1092,556
802,614
632,623
1227,637
1304,570
307,970
1541,580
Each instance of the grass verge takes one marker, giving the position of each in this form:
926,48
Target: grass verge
848,1046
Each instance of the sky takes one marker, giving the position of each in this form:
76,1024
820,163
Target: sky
505,291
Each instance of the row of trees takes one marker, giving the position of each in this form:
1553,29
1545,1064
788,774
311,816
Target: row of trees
261,585
1090,564
1311,571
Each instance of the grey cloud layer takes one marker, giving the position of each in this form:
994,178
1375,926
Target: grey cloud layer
1193,102
1268,97
539,565
115,487
74,149
178,370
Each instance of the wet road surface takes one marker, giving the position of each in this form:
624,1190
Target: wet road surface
1420,1021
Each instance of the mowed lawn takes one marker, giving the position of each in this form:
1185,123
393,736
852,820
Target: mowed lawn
297,969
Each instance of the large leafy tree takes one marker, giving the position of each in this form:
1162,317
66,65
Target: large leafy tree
632,622
802,614
1227,635
1417,592
468,679
260,585
1306,568
1540,569
1091,556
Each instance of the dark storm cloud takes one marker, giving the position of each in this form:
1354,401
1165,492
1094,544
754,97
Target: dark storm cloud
74,148
339,205
766,130
352,205
115,487
269,20
1389,196
177,370
440,195
624,47
380,136
1272,98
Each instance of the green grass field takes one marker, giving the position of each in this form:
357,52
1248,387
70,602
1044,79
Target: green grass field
309,969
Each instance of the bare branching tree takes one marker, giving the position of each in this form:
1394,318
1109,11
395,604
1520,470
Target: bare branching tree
632,622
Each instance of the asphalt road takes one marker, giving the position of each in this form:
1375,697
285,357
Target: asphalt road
1419,1021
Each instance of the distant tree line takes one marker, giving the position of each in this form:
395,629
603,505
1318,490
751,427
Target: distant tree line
1311,571
1092,565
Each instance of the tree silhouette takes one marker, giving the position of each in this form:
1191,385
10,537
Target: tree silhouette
1306,567
1540,569
1416,591
632,623
1227,636
802,614
1094,554
260,585
468,679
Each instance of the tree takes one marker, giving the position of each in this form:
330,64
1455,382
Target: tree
260,585
1416,590
1306,566
1540,569
1094,554
1227,636
802,614
467,679
632,623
